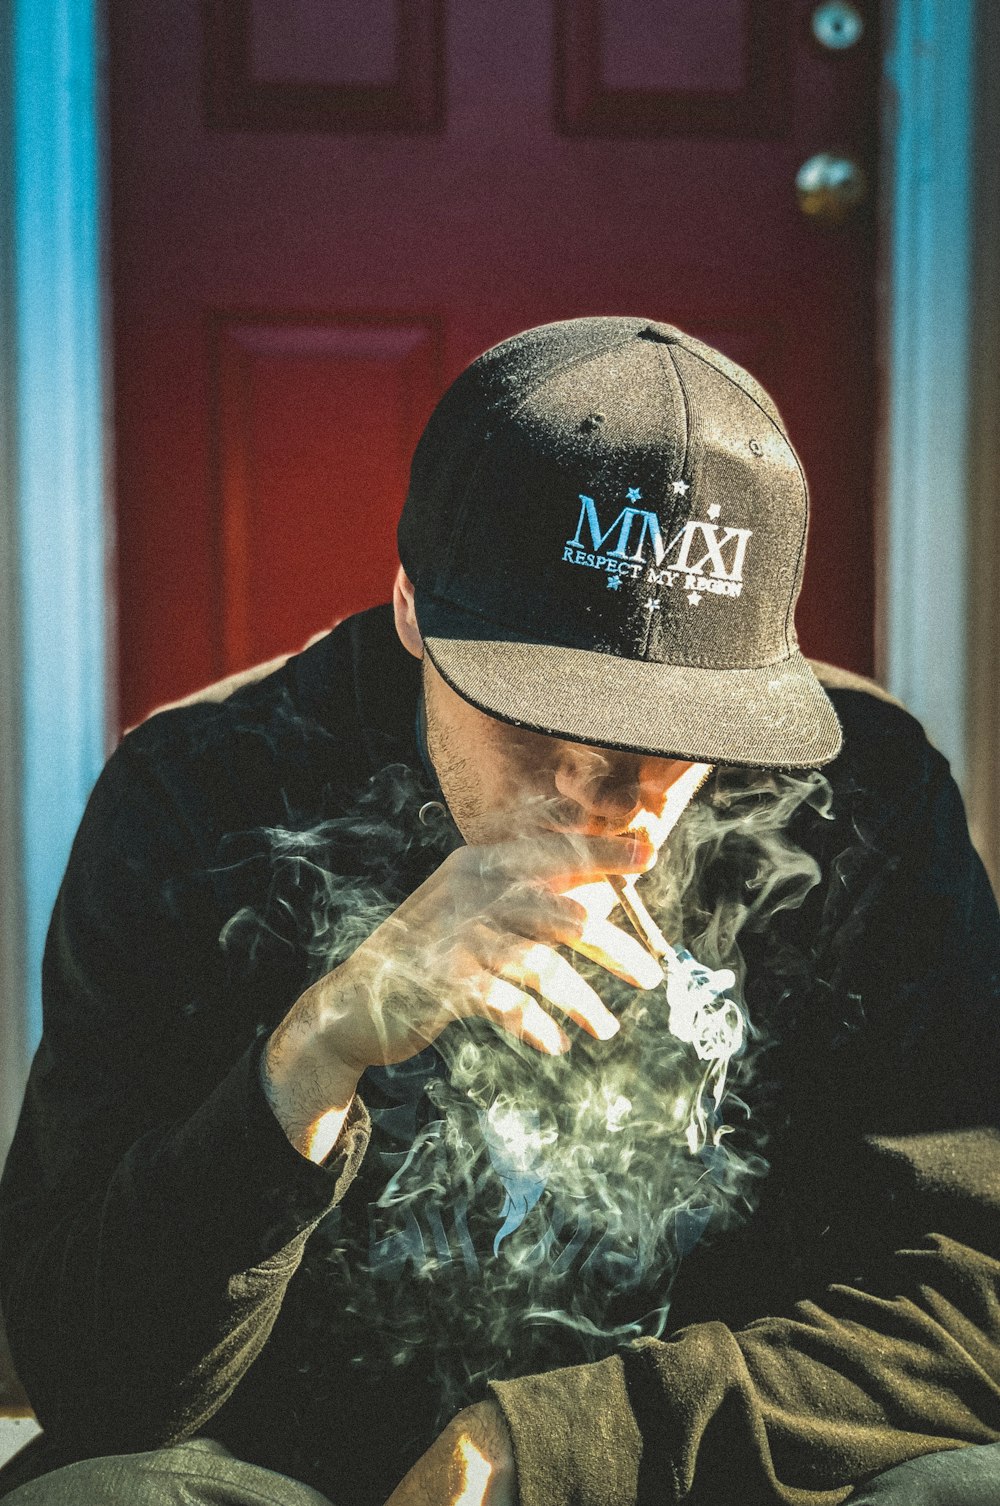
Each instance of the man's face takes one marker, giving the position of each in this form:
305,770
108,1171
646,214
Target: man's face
502,781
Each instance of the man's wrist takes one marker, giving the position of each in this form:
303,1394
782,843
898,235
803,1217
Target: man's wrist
309,1088
484,1426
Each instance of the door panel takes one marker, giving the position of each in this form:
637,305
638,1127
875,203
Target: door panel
292,41
300,402
307,65
307,246
675,68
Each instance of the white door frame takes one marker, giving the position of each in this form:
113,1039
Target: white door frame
926,336
56,714
982,661
938,621
56,695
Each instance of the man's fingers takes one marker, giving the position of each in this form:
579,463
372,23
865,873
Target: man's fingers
620,953
546,973
534,911
571,857
523,1017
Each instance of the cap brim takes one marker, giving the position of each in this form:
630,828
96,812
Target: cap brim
777,716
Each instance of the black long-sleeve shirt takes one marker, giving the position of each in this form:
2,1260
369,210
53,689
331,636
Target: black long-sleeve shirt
171,1265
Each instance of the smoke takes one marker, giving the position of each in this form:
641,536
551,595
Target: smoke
330,884
524,1210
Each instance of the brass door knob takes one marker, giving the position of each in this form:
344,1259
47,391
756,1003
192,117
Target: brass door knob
830,188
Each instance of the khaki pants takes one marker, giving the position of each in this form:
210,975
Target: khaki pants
198,1473
205,1473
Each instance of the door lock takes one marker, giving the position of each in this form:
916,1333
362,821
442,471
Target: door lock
837,25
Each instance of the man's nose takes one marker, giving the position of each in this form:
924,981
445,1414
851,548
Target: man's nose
607,787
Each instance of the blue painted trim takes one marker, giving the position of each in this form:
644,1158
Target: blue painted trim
60,426
930,72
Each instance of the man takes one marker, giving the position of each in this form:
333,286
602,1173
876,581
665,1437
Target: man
726,1237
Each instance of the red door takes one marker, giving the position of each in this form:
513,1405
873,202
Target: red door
323,209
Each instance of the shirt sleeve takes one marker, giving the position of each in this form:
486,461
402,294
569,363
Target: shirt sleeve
152,1210
898,1357
794,1410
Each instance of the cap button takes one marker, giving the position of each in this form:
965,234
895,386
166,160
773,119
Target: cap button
661,332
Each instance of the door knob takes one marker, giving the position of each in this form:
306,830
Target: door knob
830,188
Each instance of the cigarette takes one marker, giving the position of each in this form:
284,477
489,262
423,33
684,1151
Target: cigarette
642,922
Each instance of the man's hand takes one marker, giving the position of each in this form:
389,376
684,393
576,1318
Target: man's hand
476,938
470,1464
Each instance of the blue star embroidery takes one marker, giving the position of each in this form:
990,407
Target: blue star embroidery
634,494
614,582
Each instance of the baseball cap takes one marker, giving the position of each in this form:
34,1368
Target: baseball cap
605,528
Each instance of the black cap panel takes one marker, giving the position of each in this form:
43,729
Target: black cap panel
571,492
479,399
